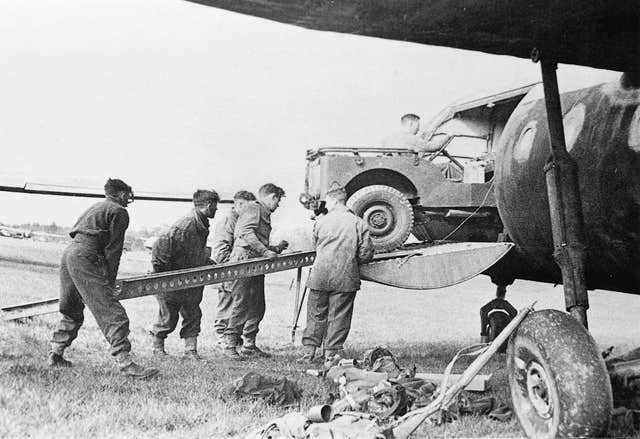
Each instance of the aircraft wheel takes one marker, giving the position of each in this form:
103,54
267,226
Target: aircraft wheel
558,380
388,214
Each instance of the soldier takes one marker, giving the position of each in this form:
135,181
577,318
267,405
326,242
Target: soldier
409,138
87,277
342,242
222,246
183,246
251,239
495,316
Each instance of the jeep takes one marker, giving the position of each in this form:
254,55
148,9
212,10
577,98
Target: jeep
446,195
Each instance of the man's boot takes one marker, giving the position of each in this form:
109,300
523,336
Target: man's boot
55,358
249,349
332,357
158,346
308,356
191,349
134,370
229,348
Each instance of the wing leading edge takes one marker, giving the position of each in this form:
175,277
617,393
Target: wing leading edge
595,33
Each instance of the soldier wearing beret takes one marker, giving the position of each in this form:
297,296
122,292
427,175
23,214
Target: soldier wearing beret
88,273
184,245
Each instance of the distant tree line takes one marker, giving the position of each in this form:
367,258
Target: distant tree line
134,238
52,228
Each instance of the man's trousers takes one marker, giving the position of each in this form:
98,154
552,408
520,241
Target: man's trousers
247,310
328,317
223,311
84,281
174,304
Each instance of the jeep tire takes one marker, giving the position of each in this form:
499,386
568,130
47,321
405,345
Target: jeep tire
388,214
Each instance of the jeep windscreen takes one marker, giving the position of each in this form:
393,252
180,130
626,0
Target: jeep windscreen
468,147
356,150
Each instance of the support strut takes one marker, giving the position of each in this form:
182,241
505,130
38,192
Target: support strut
565,206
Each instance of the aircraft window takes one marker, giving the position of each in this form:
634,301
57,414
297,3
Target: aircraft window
524,145
634,131
572,124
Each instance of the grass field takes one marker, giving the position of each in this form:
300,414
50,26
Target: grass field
91,399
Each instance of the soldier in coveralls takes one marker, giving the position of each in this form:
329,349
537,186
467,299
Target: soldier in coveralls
342,242
495,316
184,245
251,240
222,246
88,273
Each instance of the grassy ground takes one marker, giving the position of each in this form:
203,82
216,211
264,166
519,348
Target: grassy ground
92,399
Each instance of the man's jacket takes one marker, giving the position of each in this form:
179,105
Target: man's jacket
223,238
342,242
252,232
105,222
183,245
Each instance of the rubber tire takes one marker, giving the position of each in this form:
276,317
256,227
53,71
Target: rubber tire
577,380
401,208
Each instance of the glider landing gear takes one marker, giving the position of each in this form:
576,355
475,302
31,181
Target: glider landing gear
558,379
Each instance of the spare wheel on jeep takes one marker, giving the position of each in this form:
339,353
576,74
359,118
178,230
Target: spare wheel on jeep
387,212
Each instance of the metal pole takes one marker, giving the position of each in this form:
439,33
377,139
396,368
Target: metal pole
565,206
297,296
297,317
407,424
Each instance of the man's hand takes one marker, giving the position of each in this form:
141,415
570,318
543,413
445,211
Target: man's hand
420,152
282,245
484,339
270,254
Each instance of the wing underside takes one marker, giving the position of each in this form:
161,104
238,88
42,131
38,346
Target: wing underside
595,33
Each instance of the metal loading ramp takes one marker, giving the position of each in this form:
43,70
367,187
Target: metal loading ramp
434,266
415,267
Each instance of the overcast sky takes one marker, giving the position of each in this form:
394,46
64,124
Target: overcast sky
171,96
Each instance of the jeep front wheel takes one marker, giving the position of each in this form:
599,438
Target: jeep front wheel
388,214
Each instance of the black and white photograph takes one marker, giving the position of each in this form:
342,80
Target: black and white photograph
309,219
